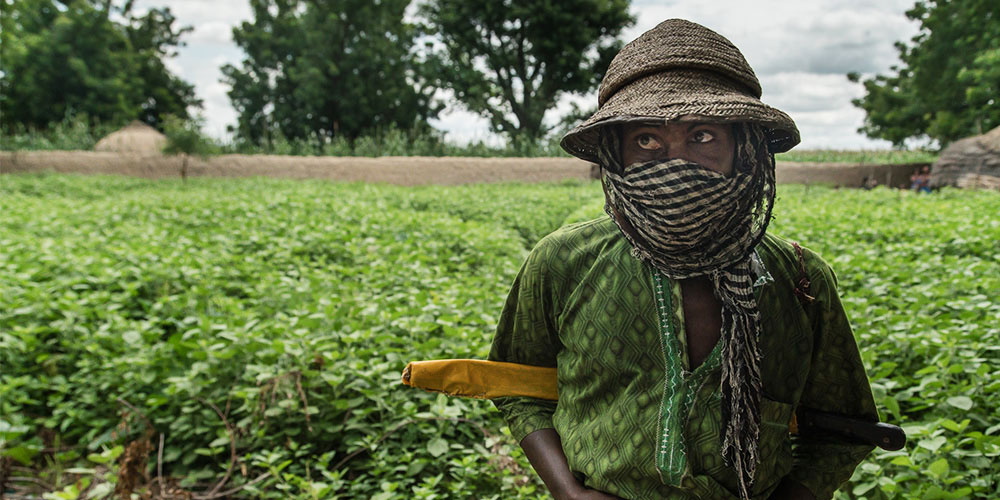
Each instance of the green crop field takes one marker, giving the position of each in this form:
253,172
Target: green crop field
246,337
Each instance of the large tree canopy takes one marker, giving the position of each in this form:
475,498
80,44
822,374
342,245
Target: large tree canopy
948,86
511,60
317,69
89,57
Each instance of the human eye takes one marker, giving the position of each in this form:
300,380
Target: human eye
647,142
702,136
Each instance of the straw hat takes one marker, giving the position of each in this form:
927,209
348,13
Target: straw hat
680,69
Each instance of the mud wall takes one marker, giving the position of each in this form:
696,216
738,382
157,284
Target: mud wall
396,170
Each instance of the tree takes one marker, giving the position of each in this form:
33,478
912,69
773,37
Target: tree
511,60
317,69
949,84
88,57
184,138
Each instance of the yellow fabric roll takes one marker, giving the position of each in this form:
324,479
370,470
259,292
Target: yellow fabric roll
481,379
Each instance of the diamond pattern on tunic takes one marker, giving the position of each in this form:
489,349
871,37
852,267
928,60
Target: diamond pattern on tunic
557,315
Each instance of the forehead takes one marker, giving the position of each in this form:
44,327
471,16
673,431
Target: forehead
672,127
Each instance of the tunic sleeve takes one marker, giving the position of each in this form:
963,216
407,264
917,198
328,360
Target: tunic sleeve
836,383
526,334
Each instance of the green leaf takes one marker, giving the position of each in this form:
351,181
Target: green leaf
22,454
962,492
960,402
81,470
101,490
863,488
224,440
9,432
891,403
932,444
437,447
953,426
939,468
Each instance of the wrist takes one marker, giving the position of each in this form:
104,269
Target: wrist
568,490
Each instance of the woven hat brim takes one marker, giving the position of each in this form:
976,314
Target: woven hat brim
670,95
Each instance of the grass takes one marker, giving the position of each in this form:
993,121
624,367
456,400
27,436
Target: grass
71,134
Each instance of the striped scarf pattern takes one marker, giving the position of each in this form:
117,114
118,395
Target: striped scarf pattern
691,221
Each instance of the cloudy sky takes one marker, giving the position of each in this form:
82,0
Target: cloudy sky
800,50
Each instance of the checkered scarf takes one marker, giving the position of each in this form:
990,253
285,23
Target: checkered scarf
691,221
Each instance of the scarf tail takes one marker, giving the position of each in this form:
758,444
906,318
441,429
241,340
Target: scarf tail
741,383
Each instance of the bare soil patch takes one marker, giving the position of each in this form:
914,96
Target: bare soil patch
845,174
401,170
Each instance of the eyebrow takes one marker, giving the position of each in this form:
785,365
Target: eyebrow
701,124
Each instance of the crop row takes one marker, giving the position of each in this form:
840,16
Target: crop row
256,328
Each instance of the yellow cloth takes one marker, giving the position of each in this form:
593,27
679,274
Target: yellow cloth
474,378
480,379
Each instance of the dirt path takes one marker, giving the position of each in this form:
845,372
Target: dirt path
407,171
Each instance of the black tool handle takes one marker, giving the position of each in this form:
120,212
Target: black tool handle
886,436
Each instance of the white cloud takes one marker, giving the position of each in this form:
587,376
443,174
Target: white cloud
775,36
212,32
462,127
834,129
800,91
173,66
196,12
218,112
226,58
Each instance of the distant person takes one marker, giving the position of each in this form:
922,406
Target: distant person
921,181
869,183
684,337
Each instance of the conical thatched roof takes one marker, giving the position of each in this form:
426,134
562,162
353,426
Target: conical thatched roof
136,137
970,162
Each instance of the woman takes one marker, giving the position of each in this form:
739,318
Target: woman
684,336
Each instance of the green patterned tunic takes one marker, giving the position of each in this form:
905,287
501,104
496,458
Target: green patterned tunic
634,420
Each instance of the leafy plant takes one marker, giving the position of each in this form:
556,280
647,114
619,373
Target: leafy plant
260,325
184,137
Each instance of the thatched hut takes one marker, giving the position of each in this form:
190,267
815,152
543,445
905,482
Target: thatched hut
973,162
136,137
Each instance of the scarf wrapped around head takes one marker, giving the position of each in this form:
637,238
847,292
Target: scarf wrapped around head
687,221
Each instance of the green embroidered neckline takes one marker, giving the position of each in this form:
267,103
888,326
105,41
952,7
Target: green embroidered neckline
679,389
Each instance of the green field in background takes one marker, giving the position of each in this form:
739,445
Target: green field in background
292,307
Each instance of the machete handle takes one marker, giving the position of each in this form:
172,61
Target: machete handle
886,436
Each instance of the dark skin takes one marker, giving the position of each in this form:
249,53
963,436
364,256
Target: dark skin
711,146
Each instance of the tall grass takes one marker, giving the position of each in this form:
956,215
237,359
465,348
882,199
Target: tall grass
73,133
392,142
